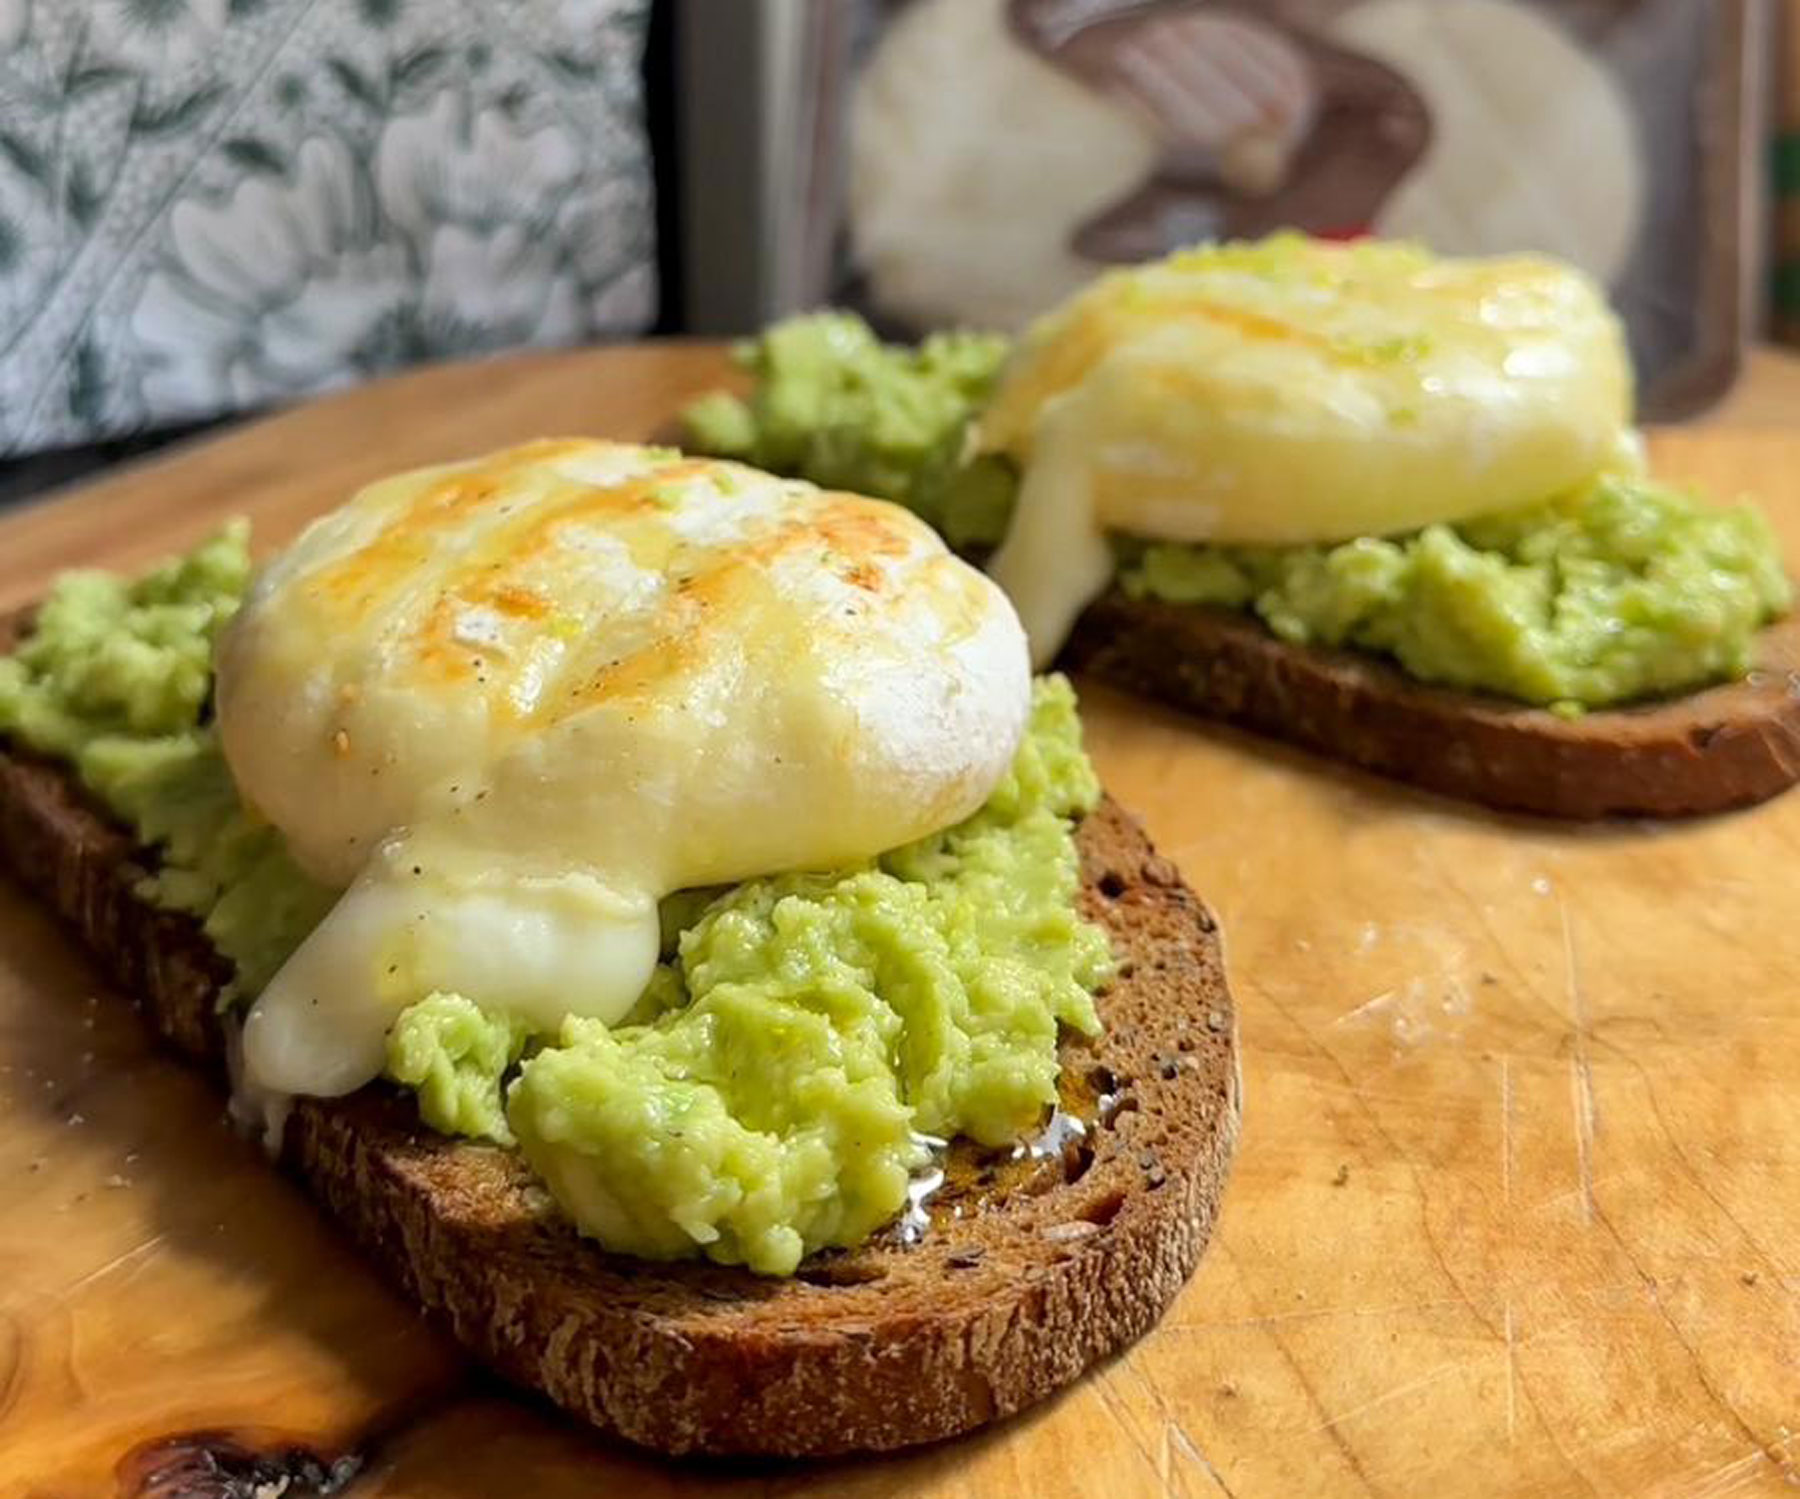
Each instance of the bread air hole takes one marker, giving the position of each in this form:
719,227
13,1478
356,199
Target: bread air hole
837,1273
1102,1210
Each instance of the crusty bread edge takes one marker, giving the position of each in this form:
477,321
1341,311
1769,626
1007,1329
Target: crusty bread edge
1711,751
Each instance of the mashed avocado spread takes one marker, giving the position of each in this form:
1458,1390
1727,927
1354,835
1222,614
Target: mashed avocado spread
834,404
805,1040
115,678
818,1025
1623,590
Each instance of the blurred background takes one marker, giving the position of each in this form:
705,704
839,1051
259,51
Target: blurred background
210,208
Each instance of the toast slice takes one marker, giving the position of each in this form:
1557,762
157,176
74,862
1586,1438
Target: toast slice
1722,747
1033,1267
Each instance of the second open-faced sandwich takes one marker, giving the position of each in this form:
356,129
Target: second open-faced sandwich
1389,506
655,908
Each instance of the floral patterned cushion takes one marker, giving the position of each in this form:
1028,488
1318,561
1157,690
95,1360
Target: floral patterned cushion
208,205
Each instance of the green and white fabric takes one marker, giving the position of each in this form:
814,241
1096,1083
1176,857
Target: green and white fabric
210,205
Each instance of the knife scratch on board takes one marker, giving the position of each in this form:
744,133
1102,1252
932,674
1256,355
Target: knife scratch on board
1113,1404
1506,1144
1313,1314
1175,1435
1431,1377
1367,1007
117,1262
1171,1430
1512,1378
1581,1075
1729,1477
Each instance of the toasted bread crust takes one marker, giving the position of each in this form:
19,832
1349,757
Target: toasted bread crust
1723,747
1066,1262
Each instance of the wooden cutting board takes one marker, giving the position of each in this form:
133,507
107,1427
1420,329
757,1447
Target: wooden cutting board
1517,1209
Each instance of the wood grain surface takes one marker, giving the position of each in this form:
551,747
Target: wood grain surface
1517,1209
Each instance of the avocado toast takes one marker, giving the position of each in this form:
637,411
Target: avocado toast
1386,506
1025,1265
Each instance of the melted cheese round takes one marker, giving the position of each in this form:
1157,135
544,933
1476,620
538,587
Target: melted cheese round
1292,392
513,703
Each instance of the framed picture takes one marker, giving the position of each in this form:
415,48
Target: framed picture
969,162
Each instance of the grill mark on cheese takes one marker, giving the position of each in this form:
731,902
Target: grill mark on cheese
859,527
535,533
671,652
496,572
858,534
376,571
511,600
1084,346
850,528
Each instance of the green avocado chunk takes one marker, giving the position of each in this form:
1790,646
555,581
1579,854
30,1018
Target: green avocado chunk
833,404
454,1054
115,678
107,657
